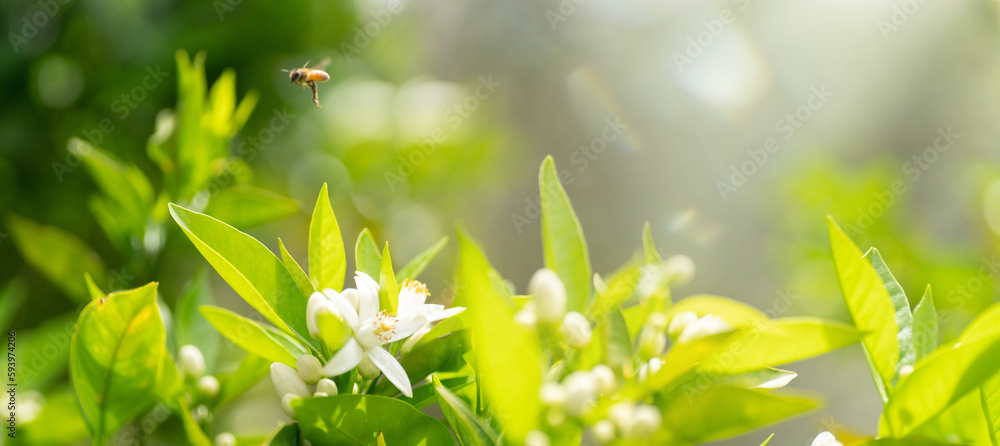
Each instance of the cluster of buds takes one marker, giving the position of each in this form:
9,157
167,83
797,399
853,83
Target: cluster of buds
191,363
306,381
548,306
627,420
577,394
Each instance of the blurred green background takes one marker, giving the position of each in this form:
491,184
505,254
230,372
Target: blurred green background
734,127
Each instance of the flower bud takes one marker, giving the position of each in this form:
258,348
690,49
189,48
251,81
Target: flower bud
680,321
581,391
208,385
549,295
605,377
645,423
706,325
679,268
191,361
225,439
653,337
552,394
326,386
286,404
308,367
622,414
604,431
317,304
288,382
368,369
576,330
826,439
536,438
201,414
320,394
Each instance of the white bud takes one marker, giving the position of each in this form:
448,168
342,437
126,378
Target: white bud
605,377
604,431
622,414
318,304
826,439
653,337
368,369
680,269
576,330
552,394
581,391
536,438
225,439
320,394
288,382
308,367
191,361
905,371
549,295
415,338
356,389
208,385
201,413
680,322
350,294
706,325
286,404
326,386
645,423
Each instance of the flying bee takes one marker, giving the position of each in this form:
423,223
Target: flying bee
309,76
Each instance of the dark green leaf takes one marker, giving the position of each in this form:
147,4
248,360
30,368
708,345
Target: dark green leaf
356,419
60,256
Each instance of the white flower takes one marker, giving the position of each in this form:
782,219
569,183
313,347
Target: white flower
576,329
413,298
706,325
209,386
372,329
191,361
680,322
549,295
826,439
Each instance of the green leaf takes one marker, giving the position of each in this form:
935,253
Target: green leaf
327,264
698,419
925,326
333,330
11,298
779,342
769,378
417,265
115,358
285,435
508,360
440,355
244,206
463,420
249,335
869,304
651,254
250,268
388,293
904,319
619,288
123,183
306,286
938,382
356,419
610,344
989,392
60,256
195,436
190,326
737,314
366,255
562,238
251,370
193,157
95,292
768,440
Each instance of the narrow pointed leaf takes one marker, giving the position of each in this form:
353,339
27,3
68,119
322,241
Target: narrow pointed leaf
244,206
93,290
251,370
925,326
388,293
249,335
650,253
366,256
306,286
562,238
59,255
904,319
868,303
327,263
417,265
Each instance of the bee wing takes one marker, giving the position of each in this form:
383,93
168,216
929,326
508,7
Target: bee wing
322,64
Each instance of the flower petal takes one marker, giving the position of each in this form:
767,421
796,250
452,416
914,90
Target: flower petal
347,312
347,358
367,295
445,314
407,324
316,300
392,370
